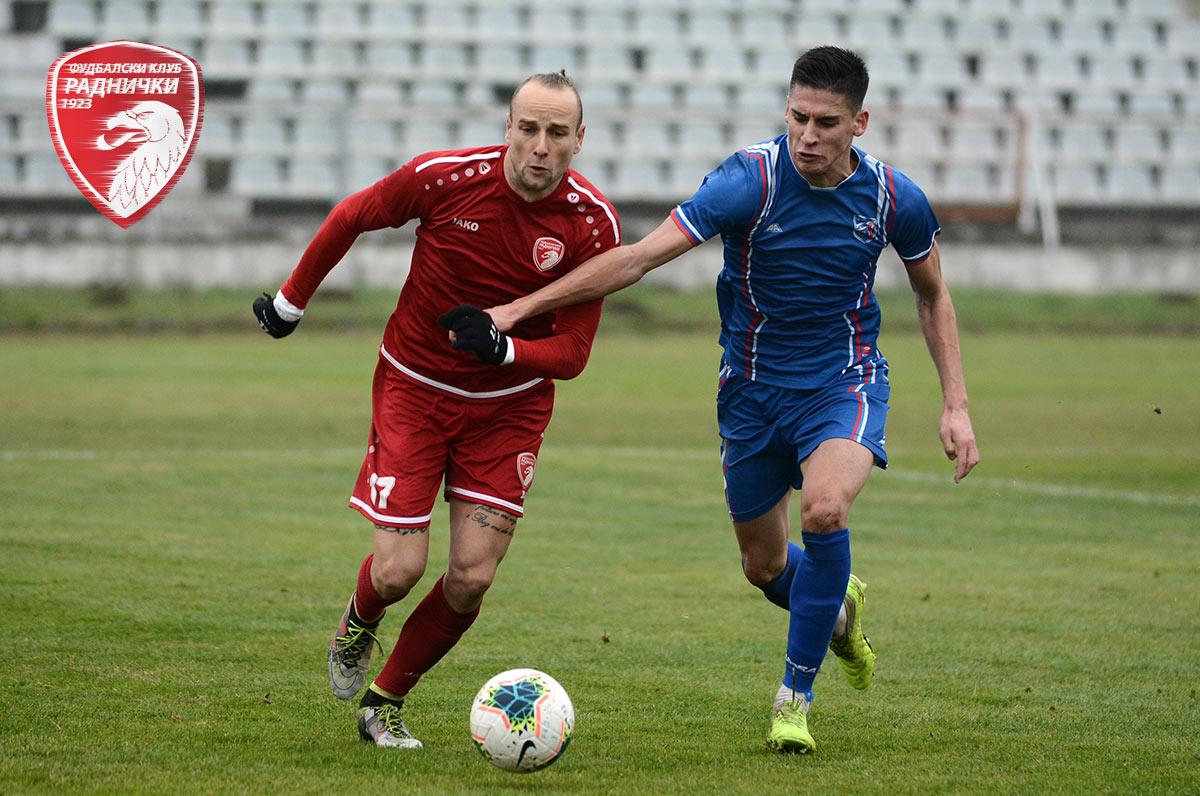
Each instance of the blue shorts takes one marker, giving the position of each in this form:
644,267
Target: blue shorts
767,431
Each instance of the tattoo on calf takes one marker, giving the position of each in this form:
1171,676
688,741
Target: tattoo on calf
402,531
496,520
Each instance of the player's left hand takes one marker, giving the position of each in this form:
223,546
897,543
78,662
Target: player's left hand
472,329
958,440
269,319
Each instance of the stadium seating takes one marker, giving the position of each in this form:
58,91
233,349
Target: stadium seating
1110,88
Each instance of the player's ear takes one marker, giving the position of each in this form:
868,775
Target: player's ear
508,129
860,121
579,137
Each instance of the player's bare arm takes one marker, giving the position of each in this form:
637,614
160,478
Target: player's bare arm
940,327
603,274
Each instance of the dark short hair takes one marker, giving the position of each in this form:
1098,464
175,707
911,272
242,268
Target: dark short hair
559,79
833,69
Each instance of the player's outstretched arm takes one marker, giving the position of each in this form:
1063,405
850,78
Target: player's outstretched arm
603,274
351,217
940,327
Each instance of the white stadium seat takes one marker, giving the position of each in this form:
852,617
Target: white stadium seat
1112,71
502,22
1076,183
179,17
1077,35
315,177
918,32
1131,183
1181,184
1146,102
1138,142
266,134
1135,37
1113,84
1095,102
1082,143
315,134
257,175
45,175
1164,71
340,20
669,62
499,59
233,18
287,18
126,20
1184,143
283,56
552,57
335,58
391,19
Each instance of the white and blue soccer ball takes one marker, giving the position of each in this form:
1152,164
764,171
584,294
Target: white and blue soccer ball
521,720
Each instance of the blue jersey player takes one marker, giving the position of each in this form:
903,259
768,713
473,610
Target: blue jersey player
803,389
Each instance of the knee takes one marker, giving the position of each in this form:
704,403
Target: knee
761,570
395,577
466,585
824,514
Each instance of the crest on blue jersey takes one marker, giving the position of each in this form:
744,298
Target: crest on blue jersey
866,229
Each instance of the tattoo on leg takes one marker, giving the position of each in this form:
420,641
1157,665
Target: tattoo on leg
496,520
402,531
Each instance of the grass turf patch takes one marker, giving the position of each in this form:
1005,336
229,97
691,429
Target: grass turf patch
175,552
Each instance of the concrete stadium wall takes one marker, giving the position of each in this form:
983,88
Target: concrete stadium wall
202,245
381,260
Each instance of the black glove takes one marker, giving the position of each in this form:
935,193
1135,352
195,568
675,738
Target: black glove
269,320
474,331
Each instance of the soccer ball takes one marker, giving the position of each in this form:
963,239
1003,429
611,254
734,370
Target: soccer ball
521,720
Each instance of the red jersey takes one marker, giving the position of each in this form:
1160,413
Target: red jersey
480,243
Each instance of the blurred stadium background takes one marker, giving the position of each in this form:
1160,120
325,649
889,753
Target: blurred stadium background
1059,139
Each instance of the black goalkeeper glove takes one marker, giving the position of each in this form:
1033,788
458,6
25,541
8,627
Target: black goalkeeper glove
269,320
474,331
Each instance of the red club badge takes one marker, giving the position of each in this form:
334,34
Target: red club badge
125,117
547,252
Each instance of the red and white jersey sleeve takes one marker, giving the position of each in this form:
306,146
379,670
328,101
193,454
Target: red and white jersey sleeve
478,243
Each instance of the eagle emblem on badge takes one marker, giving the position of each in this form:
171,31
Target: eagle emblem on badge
547,253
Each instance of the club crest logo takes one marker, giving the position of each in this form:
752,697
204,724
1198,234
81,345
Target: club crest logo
547,253
866,229
125,117
526,464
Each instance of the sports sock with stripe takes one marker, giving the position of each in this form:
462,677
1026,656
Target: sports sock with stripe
818,591
432,630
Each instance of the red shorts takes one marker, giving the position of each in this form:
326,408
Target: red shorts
486,450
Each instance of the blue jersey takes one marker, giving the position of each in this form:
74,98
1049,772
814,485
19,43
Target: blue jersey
795,293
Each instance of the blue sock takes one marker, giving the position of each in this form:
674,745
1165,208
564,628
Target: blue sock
818,590
779,590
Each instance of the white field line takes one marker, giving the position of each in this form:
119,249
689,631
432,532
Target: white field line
622,452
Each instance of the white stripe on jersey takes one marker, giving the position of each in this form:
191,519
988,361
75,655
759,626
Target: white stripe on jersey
883,198
412,374
687,222
920,257
770,151
457,159
612,219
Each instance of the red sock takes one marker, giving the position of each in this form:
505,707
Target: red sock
367,603
430,632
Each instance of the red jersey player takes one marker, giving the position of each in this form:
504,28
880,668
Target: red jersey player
501,220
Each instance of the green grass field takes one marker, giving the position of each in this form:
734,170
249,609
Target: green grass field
175,552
